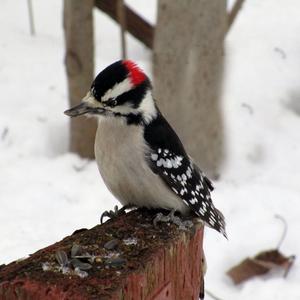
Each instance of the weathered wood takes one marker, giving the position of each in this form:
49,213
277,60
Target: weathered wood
78,28
234,12
122,22
159,263
135,25
188,62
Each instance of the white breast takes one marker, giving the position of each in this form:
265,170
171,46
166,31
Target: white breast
120,151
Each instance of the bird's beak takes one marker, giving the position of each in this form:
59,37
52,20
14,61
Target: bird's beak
79,110
88,106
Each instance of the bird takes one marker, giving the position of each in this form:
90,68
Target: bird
139,155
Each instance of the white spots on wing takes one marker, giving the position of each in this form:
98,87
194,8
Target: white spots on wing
193,201
189,172
176,163
154,156
159,163
173,161
166,151
212,219
182,179
167,164
163,162
199,186
212,216
175,190
178,160
212,222
202,211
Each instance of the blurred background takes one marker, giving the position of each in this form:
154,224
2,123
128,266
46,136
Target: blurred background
226,75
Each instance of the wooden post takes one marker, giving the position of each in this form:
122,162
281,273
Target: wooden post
78,28
135,25
133,259
234,12
122,22
188,62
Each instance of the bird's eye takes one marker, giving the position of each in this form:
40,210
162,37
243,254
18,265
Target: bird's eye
112,102
93,92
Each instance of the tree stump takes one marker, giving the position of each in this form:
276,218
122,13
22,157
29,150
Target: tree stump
132,259
79,60
188,66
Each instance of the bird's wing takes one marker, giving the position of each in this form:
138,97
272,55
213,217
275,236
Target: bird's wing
168,159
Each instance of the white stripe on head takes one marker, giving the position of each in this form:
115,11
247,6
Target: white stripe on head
146,108
117,90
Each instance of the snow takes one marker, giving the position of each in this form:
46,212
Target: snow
46,192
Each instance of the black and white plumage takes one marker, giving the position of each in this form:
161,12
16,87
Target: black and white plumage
139,155
169,160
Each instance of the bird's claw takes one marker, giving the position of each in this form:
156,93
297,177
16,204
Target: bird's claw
182,224
110,213
114,213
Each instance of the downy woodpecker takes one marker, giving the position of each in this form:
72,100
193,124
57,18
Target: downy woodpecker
139,155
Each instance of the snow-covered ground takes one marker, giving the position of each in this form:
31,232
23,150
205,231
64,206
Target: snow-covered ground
47,193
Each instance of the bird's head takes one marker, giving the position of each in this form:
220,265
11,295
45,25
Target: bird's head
121,90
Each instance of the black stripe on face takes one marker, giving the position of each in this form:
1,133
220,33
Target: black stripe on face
106,79
131,119
135,95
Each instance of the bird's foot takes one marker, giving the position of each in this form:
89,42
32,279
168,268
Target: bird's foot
171,218
114,213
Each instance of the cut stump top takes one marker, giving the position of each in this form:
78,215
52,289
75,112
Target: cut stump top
146,262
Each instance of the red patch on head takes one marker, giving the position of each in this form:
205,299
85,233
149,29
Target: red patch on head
135,73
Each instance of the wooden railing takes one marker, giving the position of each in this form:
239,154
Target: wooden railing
125,258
